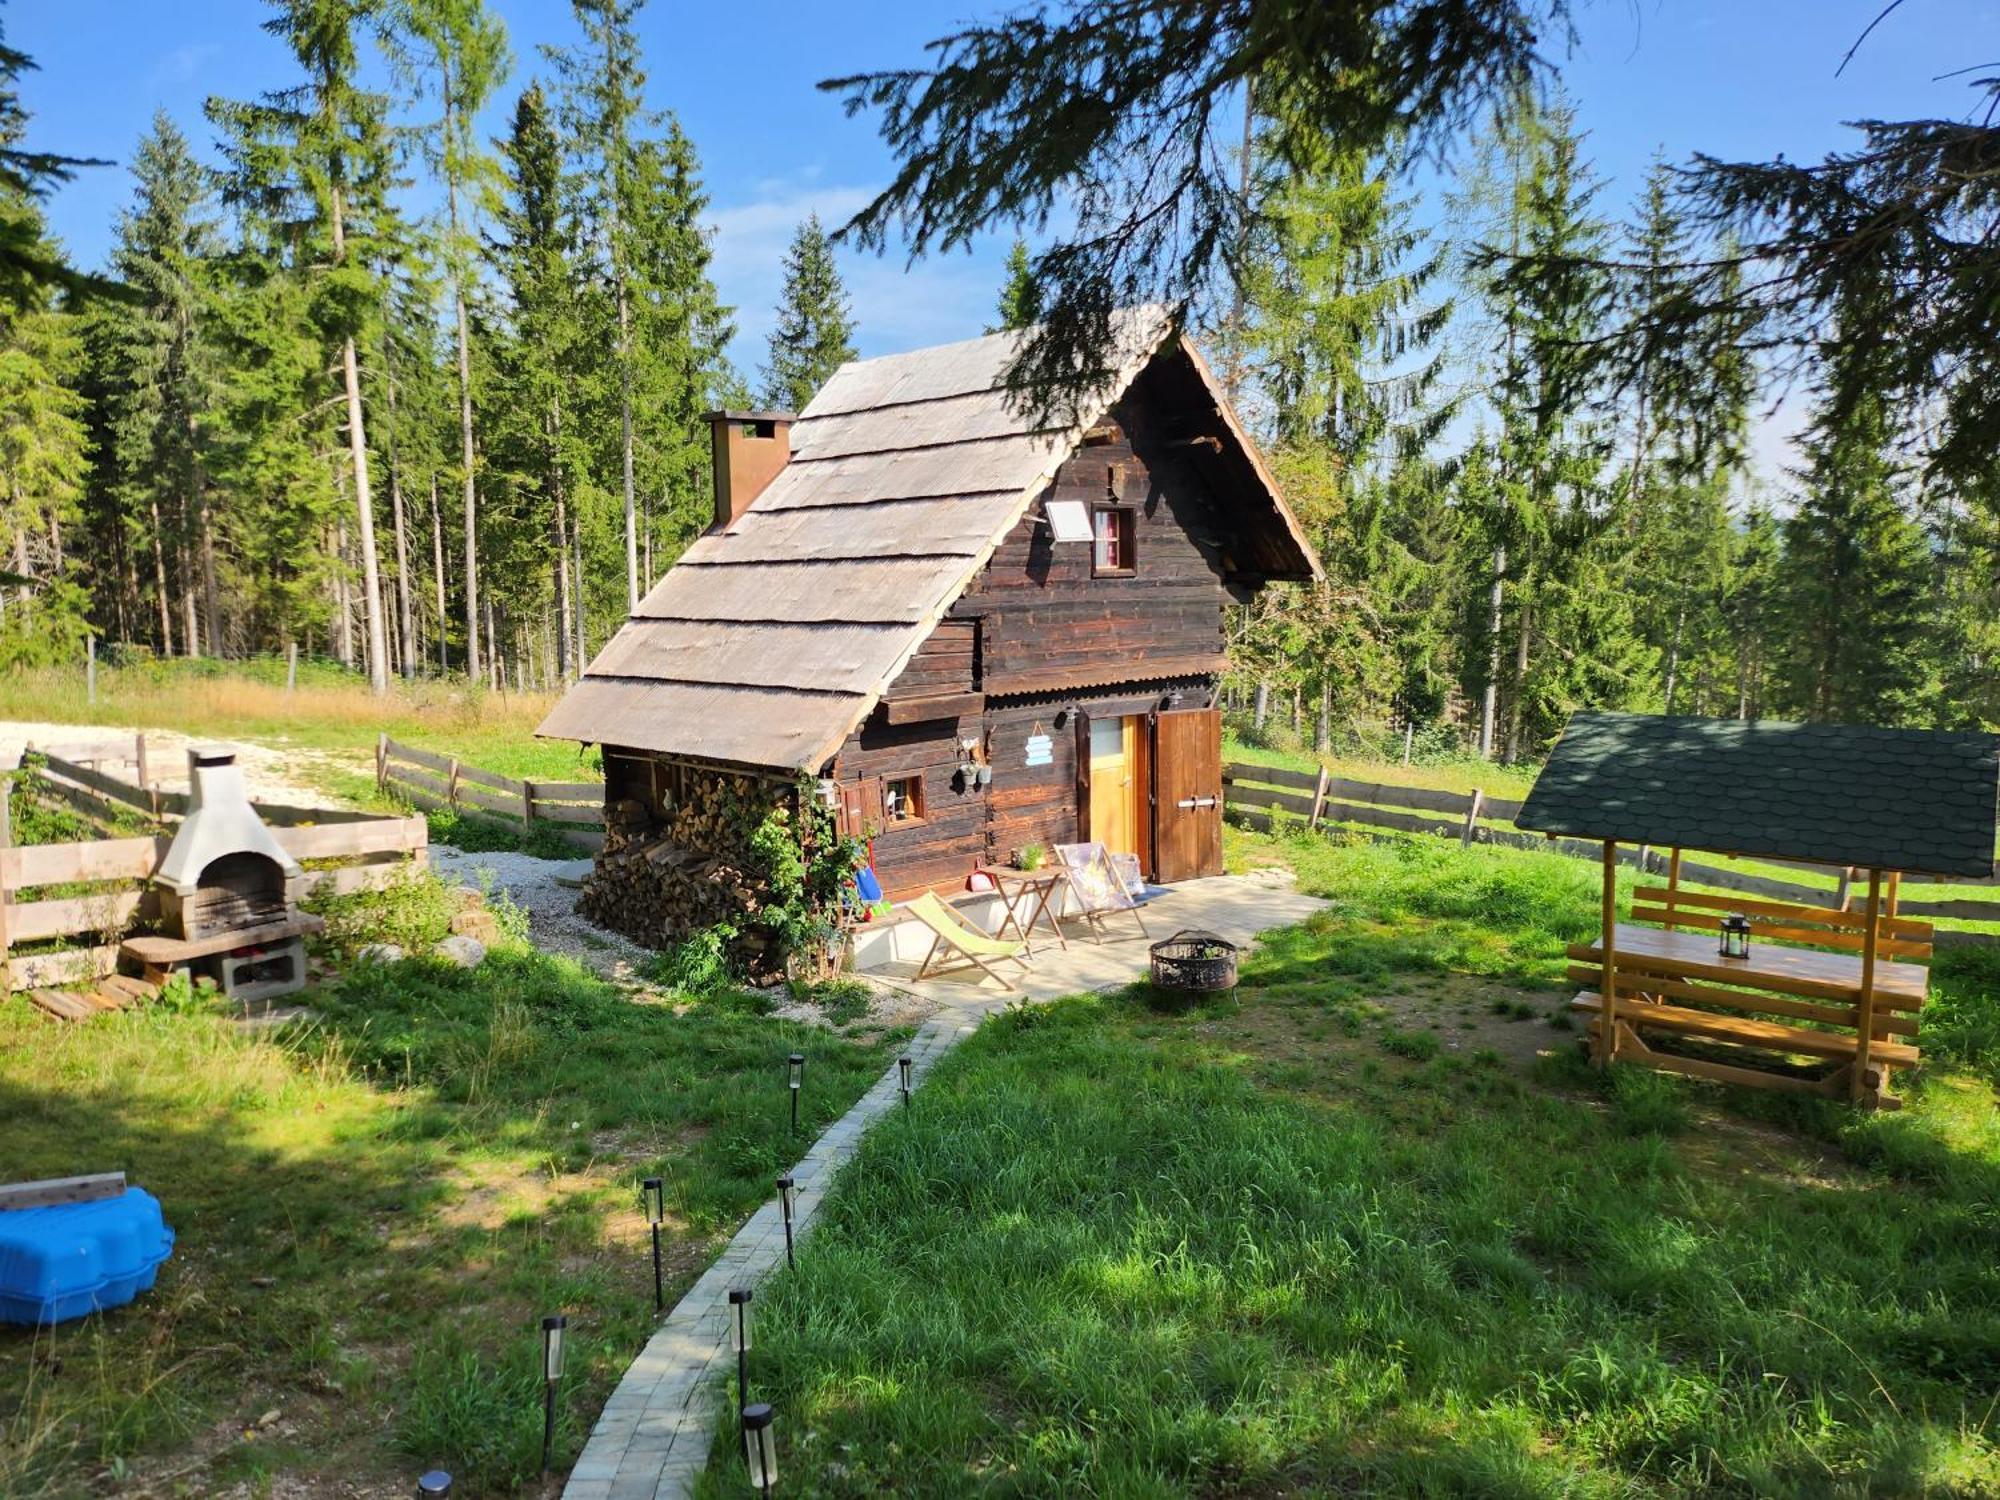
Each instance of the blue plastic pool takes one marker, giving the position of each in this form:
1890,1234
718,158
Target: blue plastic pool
72,1259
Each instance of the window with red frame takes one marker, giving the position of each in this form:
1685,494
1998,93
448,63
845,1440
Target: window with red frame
1111,527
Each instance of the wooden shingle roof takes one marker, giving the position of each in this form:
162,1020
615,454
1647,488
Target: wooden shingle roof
769,641
1915,800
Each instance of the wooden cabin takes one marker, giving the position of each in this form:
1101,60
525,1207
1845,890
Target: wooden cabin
973,632
1819,998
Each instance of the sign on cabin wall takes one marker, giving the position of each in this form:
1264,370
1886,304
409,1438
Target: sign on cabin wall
1041,750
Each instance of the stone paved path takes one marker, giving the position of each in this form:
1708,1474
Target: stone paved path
653,1435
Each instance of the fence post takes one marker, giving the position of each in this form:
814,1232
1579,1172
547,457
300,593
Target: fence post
1471,819
90,668
1319,798
291,666
527,802
451,786
381,762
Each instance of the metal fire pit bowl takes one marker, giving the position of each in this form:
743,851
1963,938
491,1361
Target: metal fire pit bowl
1193,962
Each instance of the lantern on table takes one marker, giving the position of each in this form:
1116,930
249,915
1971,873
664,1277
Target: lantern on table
1735,935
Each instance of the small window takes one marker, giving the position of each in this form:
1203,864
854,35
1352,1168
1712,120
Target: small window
1112,526
903,799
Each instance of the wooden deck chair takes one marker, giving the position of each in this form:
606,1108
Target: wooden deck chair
951,931
1101,889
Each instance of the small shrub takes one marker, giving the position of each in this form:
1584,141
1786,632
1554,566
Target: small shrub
698,964
843,999
1417,1046
413,911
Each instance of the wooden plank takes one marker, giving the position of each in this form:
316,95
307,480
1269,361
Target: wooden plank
1829,916
560,812
62,1006
1500,809
508,784
503,804
1637,980
1755,885
92,1187
1387,794
1382,817
568,791
1246,771
1745,1030
28,971
1630,1045
374,875
131,989
1608,951
91,859
100,781
157,950
1963,911
1263,801
1867,1045
37,921
348,840
429,759
402,777
932,706
1848,942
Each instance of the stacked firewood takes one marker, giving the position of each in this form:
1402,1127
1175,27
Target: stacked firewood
661,878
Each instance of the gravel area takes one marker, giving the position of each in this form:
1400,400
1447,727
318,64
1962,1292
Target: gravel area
553,923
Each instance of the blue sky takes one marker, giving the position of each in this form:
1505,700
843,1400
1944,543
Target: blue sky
1736,78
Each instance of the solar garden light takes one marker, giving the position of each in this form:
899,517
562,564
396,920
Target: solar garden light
760,1446
654,1191
797,1062
552,1368
785,1207
434,1485
739,1299
903,1066
1735,935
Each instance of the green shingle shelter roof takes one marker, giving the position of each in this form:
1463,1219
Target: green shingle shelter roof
1895,799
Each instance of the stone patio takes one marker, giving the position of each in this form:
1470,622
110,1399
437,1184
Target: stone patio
653,1435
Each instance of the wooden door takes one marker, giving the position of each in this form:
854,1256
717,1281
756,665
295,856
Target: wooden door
1114,783
1187,794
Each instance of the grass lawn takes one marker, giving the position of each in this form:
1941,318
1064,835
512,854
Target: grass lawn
375,1210
1375,1229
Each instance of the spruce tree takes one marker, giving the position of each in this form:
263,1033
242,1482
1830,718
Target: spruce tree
1856,629
318,155
157,360
814,332
461,49
1020,304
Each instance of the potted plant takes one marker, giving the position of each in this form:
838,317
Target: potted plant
1030,857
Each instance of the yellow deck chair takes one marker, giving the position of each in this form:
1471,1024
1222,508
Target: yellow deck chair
951,931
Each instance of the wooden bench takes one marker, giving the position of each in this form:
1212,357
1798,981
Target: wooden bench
1857,1011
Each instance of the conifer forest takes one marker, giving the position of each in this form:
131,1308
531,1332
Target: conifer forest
363,378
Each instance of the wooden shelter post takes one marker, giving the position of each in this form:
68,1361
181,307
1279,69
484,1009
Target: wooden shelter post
1607,1034
1865,1014
1673,883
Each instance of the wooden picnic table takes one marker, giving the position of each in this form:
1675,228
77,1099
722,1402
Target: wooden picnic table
1796,971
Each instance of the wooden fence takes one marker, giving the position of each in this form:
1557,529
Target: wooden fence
1263,797
425,778
77,776
98,891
